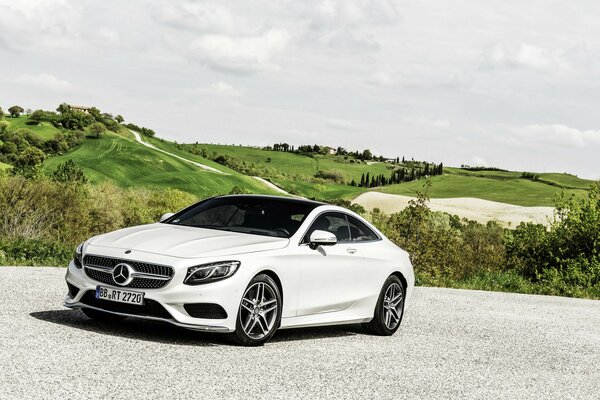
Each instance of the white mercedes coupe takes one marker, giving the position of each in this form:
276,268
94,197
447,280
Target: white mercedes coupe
246,265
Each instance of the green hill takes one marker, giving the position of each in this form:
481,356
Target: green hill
128,163
44,130
296,174
120,158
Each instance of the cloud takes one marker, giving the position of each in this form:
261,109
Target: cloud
345,24
219,89
341,124
431,123
526,56
353,13
478,161
241,54
43,81
38,24
380,78
532,136
197,17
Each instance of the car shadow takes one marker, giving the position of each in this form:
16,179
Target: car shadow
321,332
134,328
163,332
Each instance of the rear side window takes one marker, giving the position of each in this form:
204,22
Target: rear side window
359,232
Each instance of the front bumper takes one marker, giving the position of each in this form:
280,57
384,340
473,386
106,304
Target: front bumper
226,293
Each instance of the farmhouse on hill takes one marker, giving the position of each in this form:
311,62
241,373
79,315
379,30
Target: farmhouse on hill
84,109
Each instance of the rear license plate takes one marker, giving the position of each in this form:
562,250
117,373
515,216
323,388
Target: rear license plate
120,296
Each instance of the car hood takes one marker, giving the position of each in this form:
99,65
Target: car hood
186,242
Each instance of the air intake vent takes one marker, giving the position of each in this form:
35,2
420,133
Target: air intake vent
205,310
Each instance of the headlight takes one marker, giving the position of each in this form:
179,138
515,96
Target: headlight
77,256
210,272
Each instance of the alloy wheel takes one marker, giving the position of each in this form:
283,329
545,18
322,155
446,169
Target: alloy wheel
258,310
392,306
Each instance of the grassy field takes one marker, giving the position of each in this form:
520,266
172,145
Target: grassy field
118,157
293,173
518,191
44,130
277,162
564,180
128,163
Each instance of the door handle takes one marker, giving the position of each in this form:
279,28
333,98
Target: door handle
351,251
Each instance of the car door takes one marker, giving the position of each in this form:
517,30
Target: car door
329,275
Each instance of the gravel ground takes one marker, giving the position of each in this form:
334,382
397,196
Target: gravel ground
452,343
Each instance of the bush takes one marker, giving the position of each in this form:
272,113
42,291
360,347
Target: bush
34,252
66,213
334,176
565,257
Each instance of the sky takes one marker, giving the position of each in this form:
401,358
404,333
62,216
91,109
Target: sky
507,83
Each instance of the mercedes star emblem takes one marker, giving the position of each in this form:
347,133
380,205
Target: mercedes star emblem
122,274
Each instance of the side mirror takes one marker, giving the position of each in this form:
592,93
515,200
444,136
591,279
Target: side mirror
165,216
322,238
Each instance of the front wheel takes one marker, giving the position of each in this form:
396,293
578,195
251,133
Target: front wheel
389,308
259,313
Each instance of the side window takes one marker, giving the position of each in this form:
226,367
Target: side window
335,223
359,232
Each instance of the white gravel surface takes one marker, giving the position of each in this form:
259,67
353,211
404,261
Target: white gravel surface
452,344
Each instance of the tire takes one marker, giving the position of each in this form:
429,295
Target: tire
257,320
102,316
384,322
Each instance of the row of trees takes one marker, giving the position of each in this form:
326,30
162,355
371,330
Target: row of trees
364,155
144,131
399,175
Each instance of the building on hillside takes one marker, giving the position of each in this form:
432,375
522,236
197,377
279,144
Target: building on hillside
83,109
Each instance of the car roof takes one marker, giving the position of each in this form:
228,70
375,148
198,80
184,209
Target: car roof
283,199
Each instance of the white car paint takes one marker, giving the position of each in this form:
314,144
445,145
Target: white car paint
325,286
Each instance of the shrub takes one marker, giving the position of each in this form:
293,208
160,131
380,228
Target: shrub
334,176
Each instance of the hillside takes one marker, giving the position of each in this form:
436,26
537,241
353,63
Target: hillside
296,174
43,130
120,158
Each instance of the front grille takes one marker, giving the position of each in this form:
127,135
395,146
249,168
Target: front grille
150,308
73,290
137,282
205,310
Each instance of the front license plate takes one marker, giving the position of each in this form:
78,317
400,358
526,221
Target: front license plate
118,295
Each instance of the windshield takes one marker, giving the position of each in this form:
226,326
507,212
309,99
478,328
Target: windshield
246,214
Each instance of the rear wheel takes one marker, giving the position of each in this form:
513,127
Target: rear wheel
259,313
101,315
389,308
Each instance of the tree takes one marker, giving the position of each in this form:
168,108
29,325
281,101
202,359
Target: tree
119,119
63,108
95,113
69,172
1,113
26,164
15,111
97,129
